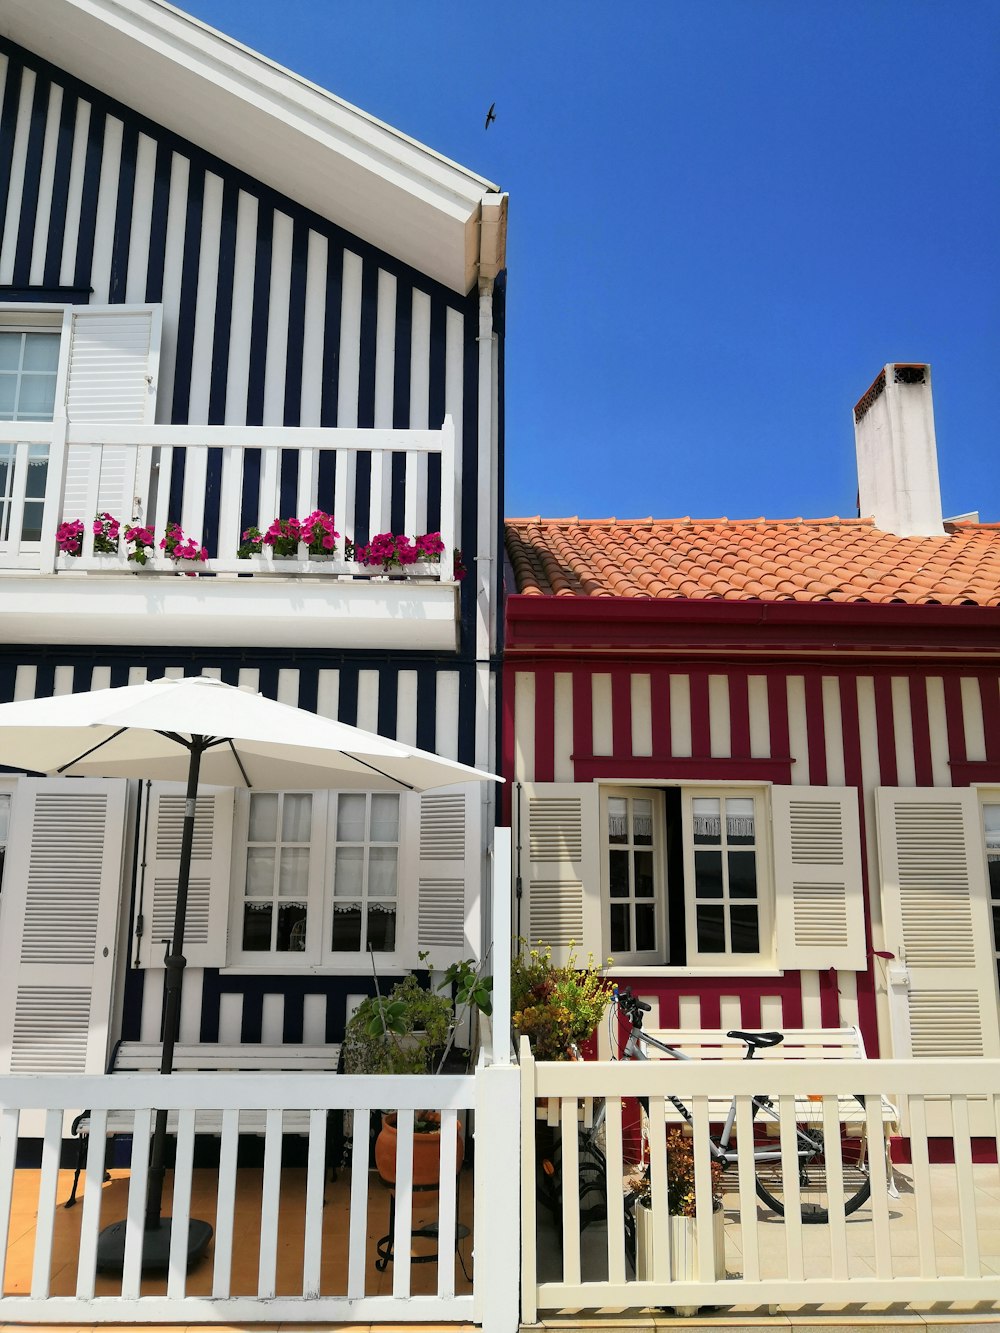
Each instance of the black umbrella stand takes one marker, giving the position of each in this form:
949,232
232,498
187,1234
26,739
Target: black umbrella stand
157,1231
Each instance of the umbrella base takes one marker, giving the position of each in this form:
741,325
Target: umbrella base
155,1246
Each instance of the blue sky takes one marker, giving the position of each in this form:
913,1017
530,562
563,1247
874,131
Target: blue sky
725,217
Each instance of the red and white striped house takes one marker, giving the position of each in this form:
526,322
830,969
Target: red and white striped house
758,763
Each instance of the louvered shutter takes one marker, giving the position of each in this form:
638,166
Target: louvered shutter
208,891
58,925
110,374
560,869
935,909
818,892
440,875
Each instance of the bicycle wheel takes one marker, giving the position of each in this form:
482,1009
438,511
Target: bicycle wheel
814,1184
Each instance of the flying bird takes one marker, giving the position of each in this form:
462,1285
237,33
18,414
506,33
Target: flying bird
491,116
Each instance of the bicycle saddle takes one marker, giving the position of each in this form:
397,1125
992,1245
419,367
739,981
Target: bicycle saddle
760,1040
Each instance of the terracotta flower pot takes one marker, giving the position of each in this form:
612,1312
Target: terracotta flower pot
426,1151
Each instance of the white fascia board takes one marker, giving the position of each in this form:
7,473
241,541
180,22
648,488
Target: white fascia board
266,120
152,610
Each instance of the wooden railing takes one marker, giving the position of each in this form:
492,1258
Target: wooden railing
215,481
59,1281
935,1242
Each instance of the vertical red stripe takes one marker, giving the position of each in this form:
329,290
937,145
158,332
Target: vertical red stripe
711,1009
867,1013
701,730
507,741
829,999
545,725
659,702
670,1010
815,729
739,715
954,719
851,729
749,1010
777,713
989,691
621,714
885,731
583,715
923,766
791,1003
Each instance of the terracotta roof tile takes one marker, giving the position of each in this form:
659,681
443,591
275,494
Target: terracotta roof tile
806,560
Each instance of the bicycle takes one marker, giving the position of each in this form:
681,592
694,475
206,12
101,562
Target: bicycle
814,1197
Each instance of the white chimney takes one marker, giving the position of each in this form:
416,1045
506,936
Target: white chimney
897,453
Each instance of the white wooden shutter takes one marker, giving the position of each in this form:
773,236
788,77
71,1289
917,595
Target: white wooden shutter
560,869
58,925
208,892
110,374
440,875
935,909
818,893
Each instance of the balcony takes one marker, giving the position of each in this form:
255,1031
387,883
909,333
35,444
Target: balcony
216,481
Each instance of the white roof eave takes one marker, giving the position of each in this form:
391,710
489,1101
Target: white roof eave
269,122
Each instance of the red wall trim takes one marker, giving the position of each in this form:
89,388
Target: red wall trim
591,768
815,729
507,733
583,712
885,730
922,765
739,714
971,771
659,689
777,713
545,719
621,712
954,718
989,690
701,731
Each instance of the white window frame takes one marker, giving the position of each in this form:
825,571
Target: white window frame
646,957
7,789
49,329
695,962
317,955
990,796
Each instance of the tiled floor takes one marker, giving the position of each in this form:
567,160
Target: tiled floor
246,1246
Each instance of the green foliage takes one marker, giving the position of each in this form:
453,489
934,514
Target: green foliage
471,989
680,1177
400,1033
556,1007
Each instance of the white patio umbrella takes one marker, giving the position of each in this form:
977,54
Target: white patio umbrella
198,729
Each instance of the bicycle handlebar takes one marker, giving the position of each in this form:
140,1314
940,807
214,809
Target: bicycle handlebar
630,1003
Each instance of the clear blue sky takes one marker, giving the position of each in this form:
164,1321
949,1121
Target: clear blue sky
725,217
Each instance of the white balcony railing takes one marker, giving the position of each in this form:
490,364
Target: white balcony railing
232,477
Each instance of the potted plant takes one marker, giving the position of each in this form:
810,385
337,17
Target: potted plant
182,549
320,535
139,541
681,1219
283,537
556,1006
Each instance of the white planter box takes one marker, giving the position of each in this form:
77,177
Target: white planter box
683,1234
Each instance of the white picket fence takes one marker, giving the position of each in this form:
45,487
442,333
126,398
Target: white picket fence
937,1241
126,469
490,1095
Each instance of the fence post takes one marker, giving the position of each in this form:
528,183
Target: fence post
497,1208
501,945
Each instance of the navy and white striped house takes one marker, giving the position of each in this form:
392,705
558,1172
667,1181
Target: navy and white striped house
227,297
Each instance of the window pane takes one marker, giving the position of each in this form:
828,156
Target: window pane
711,930
743,874
620,938
264,817
346,933
260,872
617,819
708,874
37,396
743,927
38,467
4,816
618,874
31,521
257,927
991,818
642,823
739,819
382,867
707,819
10,351
351,818
8,396
296,817
993,865
385,819
348,875
645,927
291,928
293,881
381,929
41,352
643,874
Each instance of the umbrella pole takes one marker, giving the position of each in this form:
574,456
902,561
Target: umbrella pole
173,984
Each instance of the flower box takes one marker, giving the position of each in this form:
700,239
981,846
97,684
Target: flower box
683,1241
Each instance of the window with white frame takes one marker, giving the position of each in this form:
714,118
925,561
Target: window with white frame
275,917
365,880
991,821
721,839
29,364
634,835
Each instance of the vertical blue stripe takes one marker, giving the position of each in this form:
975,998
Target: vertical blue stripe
347,703
436,405
288,482
426,708
158,221
123,215
88,201
8,681
331,336
469,515
45,680
32,173
388,698
187,308
253,1016
308,686
467,713
268,677
60,189
296,324
119,674
223,305
401,400
367,344
362,496
8,128
259,318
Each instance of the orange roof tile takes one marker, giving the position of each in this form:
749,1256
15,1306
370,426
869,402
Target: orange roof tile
798,560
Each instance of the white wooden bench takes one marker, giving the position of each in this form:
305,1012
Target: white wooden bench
137,1057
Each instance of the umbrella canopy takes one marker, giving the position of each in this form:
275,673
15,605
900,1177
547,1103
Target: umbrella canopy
142,731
